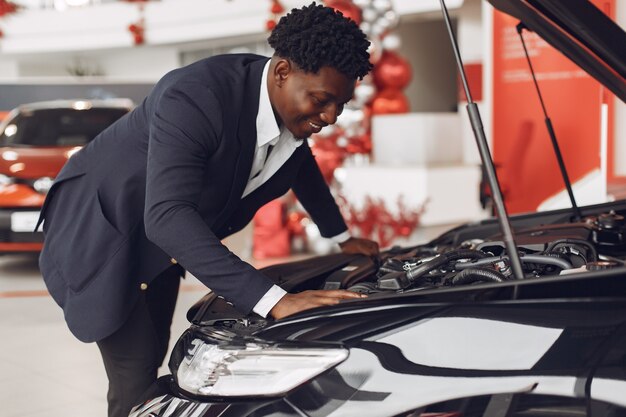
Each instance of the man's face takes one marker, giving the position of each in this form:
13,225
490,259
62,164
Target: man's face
306,102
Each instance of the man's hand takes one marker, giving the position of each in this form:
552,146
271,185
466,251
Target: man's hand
294,303
356,245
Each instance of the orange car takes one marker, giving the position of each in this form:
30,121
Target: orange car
35,141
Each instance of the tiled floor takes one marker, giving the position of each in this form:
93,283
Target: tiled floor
44,370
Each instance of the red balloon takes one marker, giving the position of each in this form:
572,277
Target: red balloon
347,8
390,101
392,71
328,155
270,25
277,8
139,39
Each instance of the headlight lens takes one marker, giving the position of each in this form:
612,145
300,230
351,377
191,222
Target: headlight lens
6,180
202,366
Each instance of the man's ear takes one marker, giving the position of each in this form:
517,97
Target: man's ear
282,69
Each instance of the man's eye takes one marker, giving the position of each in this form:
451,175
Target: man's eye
318,101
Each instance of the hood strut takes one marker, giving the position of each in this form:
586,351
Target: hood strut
555,145
485,155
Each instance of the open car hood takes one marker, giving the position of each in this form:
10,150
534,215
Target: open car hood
581,32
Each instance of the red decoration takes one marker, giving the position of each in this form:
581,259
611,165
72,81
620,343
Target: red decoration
390,101
328,155
295,221
359,144
270,25
347,8
7,7
137,30
392,71
276,9
271,235
374,221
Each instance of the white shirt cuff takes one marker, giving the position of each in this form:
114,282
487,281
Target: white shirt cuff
269,300
342,237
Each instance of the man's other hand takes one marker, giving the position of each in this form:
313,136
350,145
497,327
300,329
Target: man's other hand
356,245
294,303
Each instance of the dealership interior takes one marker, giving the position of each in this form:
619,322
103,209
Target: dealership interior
404,161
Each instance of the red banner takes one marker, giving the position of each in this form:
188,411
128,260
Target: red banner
527,166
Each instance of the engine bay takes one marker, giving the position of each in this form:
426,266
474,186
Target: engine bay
596,243
549,245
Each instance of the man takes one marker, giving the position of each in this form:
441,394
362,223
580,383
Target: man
157,191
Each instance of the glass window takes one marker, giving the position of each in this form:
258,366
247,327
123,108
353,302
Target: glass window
58,127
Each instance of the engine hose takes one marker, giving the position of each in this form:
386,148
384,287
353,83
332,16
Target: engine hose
472,275
568,257
538,259
442,259
547,260
592,250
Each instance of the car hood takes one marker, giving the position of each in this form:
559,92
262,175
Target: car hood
581,32
33,162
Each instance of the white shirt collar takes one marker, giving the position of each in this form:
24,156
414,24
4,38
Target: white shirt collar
266,127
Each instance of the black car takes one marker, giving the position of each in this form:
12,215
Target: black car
460,326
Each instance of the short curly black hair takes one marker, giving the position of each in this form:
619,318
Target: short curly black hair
316,36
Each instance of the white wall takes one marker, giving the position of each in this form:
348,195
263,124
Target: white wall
425,44
620,109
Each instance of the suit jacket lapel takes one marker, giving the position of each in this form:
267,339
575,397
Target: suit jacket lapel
246,136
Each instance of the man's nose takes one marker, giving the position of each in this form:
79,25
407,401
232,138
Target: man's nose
330,113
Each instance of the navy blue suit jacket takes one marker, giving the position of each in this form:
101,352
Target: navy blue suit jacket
165,182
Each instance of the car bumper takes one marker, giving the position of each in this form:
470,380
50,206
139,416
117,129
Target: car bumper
16,231
163,401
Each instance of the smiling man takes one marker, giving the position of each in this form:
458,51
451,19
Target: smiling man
154,194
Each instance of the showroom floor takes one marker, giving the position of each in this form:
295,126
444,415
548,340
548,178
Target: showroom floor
44,370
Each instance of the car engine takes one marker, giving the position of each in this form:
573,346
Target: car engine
593,244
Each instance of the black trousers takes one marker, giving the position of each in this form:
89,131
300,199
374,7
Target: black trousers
133,354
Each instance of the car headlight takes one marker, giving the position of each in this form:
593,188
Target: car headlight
6,180
207,366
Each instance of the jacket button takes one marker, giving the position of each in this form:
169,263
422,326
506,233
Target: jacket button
143,286
173,261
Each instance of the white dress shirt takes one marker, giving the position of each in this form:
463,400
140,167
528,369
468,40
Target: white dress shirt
284,145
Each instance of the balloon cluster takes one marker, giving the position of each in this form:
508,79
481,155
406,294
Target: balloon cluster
381,91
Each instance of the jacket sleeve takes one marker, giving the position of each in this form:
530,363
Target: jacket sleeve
314,194
184,133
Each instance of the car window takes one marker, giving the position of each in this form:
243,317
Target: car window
58,127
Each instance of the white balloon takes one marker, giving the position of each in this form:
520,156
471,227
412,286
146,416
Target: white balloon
378,29
382,5
391,42
375,49
369,14
327,131
383,23
363,93
392,17
362,3
366,27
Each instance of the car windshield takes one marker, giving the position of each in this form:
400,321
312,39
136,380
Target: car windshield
58,127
